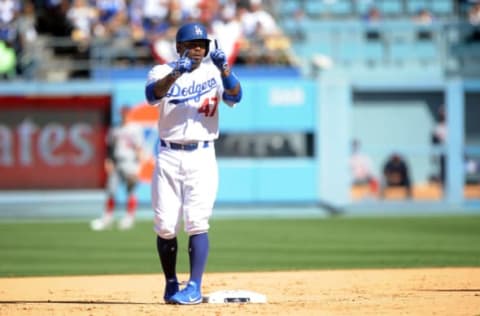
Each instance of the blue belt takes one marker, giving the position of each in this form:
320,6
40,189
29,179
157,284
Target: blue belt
188,147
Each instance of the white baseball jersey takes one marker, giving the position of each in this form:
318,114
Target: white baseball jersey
185,183
126,140
189,111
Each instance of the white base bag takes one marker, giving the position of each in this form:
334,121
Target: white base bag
234,296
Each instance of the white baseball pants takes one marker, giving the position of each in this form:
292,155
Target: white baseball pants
184,187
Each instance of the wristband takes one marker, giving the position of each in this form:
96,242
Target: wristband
230,81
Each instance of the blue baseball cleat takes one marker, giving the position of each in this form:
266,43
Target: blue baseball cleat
171,288
190,295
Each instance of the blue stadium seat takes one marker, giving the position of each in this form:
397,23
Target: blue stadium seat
349,52
315,48
413,6
293,28
426,51
349,47
362,7
423,51
390,7
373,51
401,45
400,51
286,8
338,7
341,7
315,8
443,7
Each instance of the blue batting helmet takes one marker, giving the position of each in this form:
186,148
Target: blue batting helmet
192,32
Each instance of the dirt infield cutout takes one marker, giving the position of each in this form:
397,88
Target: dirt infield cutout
441,291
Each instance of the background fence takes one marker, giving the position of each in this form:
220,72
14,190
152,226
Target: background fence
348,76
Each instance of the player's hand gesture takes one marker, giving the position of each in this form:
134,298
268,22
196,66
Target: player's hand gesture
218,57
184,64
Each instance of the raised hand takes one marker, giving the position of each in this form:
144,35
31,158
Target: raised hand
218,57
184,64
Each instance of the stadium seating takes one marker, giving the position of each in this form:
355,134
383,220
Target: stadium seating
391,7
414,6
287,9
336,29
442,7
336,8
399,42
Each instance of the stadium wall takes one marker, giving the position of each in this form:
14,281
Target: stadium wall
325,108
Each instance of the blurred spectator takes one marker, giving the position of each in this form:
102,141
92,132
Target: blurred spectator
474,14
18,33
113,32
52,17
296,27
361,169
474,21
190,9
258,22
153,25
265,42
112,18
373,15
396,174
372,20
208,11
228,31
439,137
9,11
27,40
82,17
472,170
423,19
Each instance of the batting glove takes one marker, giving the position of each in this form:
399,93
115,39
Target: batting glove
183,64
219,58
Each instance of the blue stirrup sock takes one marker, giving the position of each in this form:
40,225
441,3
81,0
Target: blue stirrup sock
167,251
198,247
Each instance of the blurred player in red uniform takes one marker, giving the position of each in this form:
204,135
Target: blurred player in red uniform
362,169
124,154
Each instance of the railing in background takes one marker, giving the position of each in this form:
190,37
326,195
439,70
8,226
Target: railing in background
362,51
394,47
341,9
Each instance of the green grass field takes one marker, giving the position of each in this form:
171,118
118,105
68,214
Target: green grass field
70,248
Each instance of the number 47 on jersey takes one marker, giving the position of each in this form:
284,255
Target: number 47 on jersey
209,107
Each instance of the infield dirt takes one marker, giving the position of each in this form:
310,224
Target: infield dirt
443,291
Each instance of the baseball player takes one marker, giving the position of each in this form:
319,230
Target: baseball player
124,154
187,93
